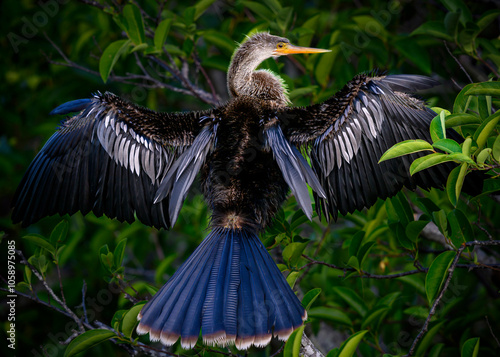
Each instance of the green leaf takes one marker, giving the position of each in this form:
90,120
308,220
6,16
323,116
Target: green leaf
427,161
120,252
470,348
293,251
455,182
259,9
350,345
374,318
483,88
327,313
356,242
483,156
433,28
129,320
451,23
487,18
437,273
351,298
161,33
202,6
414,228
496,149
134,24
427,341
40,241
310,297
483,132
292,278
406,147
448,145
438,127
466,145
461,230
436,350
87,340
292,346
458,119
220,40
59,233
110,56
462,100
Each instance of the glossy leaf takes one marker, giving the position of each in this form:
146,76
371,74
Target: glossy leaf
327,313
414,228
202,6
455,182
483,156
119,252
352,299
470,348
59,233
447,145
427,161
293,344
110,57
310,297
483,132
129,320
293,251
40,241
461,230
428,339
458,119
374,317
433,28
350,345
406,147
87,340
483,88
438,127
436,276
496,149
134,24
161,33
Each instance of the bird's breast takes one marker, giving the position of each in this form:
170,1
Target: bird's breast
241,181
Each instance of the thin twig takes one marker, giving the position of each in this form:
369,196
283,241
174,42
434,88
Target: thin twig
491,331
50,291
451,270
458,62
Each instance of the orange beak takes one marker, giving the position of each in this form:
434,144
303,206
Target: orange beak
289,49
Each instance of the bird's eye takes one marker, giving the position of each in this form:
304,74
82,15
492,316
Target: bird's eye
280,45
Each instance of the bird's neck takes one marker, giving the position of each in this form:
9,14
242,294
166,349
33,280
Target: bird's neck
239,75
244,80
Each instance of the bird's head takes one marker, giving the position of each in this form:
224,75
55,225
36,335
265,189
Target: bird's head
266,45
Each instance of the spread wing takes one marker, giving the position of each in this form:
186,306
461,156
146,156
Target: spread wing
347,135
110,158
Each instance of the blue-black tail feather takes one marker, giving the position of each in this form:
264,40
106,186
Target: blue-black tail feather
231,290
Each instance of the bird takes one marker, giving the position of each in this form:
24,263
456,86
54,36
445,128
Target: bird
114,158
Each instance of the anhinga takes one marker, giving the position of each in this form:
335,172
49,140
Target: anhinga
120,160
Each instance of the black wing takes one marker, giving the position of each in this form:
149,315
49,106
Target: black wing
110,159
347,135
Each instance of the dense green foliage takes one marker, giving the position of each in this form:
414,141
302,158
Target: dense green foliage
370,280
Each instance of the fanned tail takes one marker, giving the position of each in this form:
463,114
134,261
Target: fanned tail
231,290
